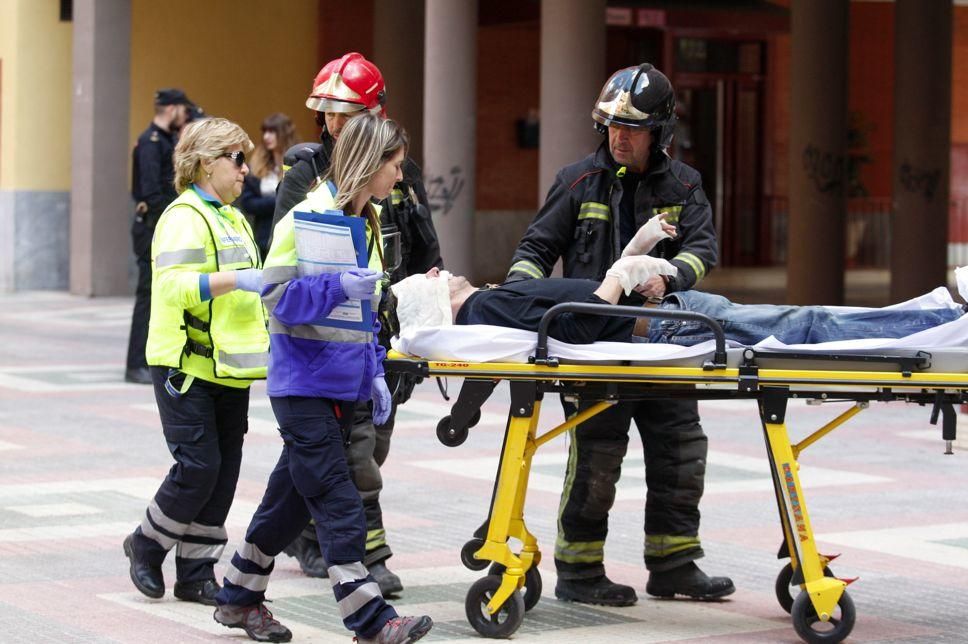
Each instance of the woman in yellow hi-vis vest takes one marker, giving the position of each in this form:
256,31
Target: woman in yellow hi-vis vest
207,342
318,372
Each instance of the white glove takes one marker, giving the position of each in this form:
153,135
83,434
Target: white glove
654,231
636,270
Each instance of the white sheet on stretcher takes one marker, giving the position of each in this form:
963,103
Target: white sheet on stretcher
484,343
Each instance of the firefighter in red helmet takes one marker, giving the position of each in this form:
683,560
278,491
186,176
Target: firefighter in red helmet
344,88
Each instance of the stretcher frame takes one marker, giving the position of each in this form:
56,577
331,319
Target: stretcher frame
823,611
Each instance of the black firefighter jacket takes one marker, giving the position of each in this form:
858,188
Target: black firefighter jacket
579,221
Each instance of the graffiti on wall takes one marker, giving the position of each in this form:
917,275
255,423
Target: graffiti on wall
443,191
919,181
825,169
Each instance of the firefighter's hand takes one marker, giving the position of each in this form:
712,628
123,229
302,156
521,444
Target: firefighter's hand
382,401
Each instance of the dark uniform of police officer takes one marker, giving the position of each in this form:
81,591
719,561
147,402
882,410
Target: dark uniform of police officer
406,212
592,211
152,187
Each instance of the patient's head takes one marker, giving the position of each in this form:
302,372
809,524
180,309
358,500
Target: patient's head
429,299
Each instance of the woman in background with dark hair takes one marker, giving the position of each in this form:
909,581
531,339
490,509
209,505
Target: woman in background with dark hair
265,172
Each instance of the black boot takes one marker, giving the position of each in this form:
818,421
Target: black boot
597,590
306,552
690,581
389,583
202,592
147,579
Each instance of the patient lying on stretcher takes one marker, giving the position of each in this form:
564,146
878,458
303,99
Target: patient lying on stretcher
438,299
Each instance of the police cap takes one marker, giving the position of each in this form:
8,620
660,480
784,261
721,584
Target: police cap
171,96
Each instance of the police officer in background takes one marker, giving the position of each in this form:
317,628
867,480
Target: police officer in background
344,88
590,215
152,187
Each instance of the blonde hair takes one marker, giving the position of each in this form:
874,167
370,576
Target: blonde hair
264,161
365,143
204,140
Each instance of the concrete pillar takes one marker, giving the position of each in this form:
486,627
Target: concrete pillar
572,74
818,152
398,34
922,145
450,141
100,201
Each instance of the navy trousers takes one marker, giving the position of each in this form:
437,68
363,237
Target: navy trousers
311,480
204,429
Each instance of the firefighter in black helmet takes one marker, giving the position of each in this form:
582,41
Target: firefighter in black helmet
589,218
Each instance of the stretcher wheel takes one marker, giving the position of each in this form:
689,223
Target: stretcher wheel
784,590
467,555
502,623
532,584
450,436
809,627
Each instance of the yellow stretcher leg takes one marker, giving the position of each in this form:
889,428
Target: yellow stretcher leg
825,592
507,512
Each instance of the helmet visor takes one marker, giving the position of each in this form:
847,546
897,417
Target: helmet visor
615,102
326,104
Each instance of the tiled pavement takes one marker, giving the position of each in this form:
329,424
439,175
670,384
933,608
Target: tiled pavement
81,453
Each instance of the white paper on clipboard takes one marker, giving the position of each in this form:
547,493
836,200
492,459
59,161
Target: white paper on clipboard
331,243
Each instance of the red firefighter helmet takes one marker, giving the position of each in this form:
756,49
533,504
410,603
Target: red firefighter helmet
348,84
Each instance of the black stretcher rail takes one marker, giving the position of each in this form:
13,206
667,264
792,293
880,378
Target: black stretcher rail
615,310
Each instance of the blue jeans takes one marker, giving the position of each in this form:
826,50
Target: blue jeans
750,323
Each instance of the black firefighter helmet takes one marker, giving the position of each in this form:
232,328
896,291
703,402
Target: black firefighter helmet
638,97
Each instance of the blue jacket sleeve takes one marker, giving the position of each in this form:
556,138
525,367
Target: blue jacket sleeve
307,299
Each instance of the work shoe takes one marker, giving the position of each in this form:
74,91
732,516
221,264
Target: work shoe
147,579
690,581
596,590
400,630
389,583
202,592
306,552
256,621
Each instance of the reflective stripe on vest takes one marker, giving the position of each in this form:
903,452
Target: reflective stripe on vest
593,210
320,332
187,256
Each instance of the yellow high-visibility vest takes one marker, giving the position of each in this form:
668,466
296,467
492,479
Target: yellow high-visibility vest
224,339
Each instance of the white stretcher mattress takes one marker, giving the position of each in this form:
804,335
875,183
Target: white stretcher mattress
483,343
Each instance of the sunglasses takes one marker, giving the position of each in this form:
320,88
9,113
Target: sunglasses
238,157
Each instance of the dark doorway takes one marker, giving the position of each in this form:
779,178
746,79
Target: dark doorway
719,87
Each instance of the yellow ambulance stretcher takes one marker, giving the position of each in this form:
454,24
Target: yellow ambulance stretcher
823,611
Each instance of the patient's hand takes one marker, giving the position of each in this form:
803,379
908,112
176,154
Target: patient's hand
654,287
654,231
637,270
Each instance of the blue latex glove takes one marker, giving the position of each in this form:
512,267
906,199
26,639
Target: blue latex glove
380,395
360,283
249,279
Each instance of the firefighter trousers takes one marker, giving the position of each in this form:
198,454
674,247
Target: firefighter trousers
675,450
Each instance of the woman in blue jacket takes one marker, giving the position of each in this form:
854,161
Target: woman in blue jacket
317,373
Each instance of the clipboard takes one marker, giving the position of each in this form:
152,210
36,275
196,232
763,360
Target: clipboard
330,242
